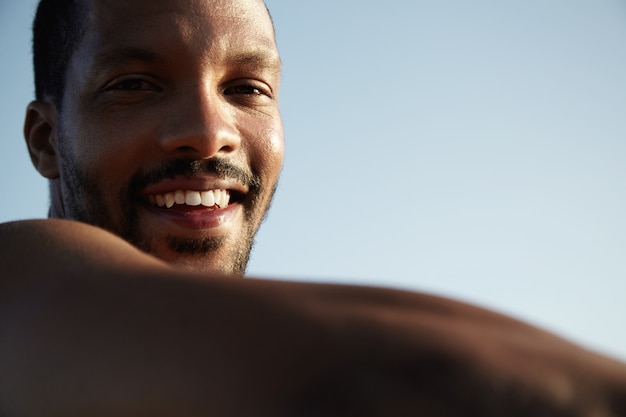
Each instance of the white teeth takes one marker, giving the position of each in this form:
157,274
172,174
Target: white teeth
218,198
211,198
192,198
179,197
208,198
224,198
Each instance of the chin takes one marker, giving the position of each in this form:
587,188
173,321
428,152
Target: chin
207,263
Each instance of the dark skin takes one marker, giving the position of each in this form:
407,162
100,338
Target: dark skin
147,113
110,330
92,325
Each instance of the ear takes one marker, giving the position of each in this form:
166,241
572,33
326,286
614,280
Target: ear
40,132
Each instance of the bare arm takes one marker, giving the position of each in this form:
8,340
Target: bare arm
91,326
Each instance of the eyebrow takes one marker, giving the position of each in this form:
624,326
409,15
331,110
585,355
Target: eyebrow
118,56
262,59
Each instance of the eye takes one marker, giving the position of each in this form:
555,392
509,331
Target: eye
247,90
133,84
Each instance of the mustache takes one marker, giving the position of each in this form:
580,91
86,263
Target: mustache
186,167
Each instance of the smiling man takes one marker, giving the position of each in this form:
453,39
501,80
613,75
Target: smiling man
164,134
158,126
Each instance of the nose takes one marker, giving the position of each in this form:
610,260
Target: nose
200,124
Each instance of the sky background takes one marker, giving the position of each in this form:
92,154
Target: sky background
469,149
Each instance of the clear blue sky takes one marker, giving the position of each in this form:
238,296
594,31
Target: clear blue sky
471,149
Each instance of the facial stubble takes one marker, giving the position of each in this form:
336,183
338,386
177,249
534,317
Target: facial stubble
82,196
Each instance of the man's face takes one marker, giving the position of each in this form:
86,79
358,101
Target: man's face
169,107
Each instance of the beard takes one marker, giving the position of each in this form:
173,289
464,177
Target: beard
82,199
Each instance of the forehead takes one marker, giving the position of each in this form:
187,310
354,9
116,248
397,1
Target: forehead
230,22
124,9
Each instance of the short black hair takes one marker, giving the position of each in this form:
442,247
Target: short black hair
58,28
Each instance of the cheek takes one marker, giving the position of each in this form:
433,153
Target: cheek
265,148
108,158
117,142
101,155
275,149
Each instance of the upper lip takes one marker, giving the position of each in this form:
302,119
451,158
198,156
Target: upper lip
195,183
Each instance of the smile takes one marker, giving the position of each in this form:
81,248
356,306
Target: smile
212,198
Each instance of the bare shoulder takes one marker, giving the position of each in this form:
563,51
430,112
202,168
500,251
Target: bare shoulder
31,249
72,292
47,229
52,230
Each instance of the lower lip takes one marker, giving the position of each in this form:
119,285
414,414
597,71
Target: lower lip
197,218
